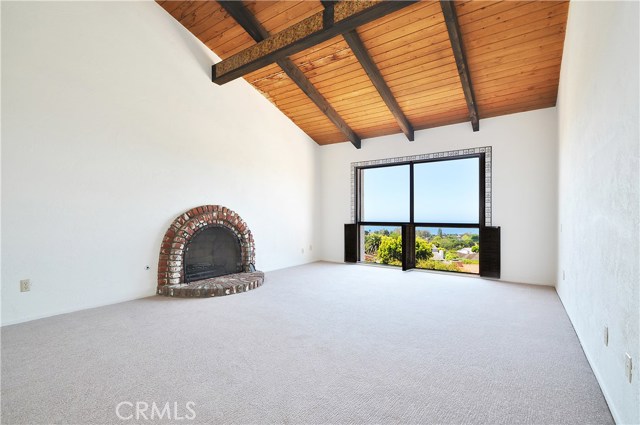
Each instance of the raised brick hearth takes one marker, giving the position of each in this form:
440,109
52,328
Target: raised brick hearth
215,287
171,265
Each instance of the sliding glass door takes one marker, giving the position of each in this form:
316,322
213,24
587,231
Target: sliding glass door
436,206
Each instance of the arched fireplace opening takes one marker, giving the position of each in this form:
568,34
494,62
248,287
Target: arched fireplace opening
213,251
208,251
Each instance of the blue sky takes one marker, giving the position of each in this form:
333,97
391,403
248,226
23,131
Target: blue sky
445,191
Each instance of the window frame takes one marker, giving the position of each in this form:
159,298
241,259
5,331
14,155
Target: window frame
482,196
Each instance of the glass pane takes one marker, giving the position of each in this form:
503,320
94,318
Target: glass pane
385,194
382,245
448,249
446,191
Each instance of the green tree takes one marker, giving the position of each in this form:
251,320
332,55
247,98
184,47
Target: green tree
475,248
423,249
437,265
448,243
424,234
372,243
451,255
440,232
390,250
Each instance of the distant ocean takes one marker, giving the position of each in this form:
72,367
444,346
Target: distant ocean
433,230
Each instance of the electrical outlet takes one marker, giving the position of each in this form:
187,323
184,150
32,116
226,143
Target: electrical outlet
606,336
562,274
25,285
301,250
628,366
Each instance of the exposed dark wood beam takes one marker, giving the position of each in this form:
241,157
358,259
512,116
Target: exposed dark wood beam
242,16
255,29
344,16
360,51
451,19
309,89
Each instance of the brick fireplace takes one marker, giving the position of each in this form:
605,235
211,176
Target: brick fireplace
207,251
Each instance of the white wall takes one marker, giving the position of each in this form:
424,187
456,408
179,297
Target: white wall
598,193
111,127
524,185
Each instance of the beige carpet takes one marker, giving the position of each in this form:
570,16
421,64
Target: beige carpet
321,343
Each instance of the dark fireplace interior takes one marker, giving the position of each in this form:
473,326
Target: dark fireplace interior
215,251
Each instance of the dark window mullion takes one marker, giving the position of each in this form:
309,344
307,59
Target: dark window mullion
409,237
482,194
449,225
411,194
357,213
382,223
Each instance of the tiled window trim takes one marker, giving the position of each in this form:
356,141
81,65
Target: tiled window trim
445,154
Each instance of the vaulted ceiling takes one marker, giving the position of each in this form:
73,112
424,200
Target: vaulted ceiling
385,67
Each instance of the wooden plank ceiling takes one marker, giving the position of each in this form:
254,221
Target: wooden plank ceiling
512,50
